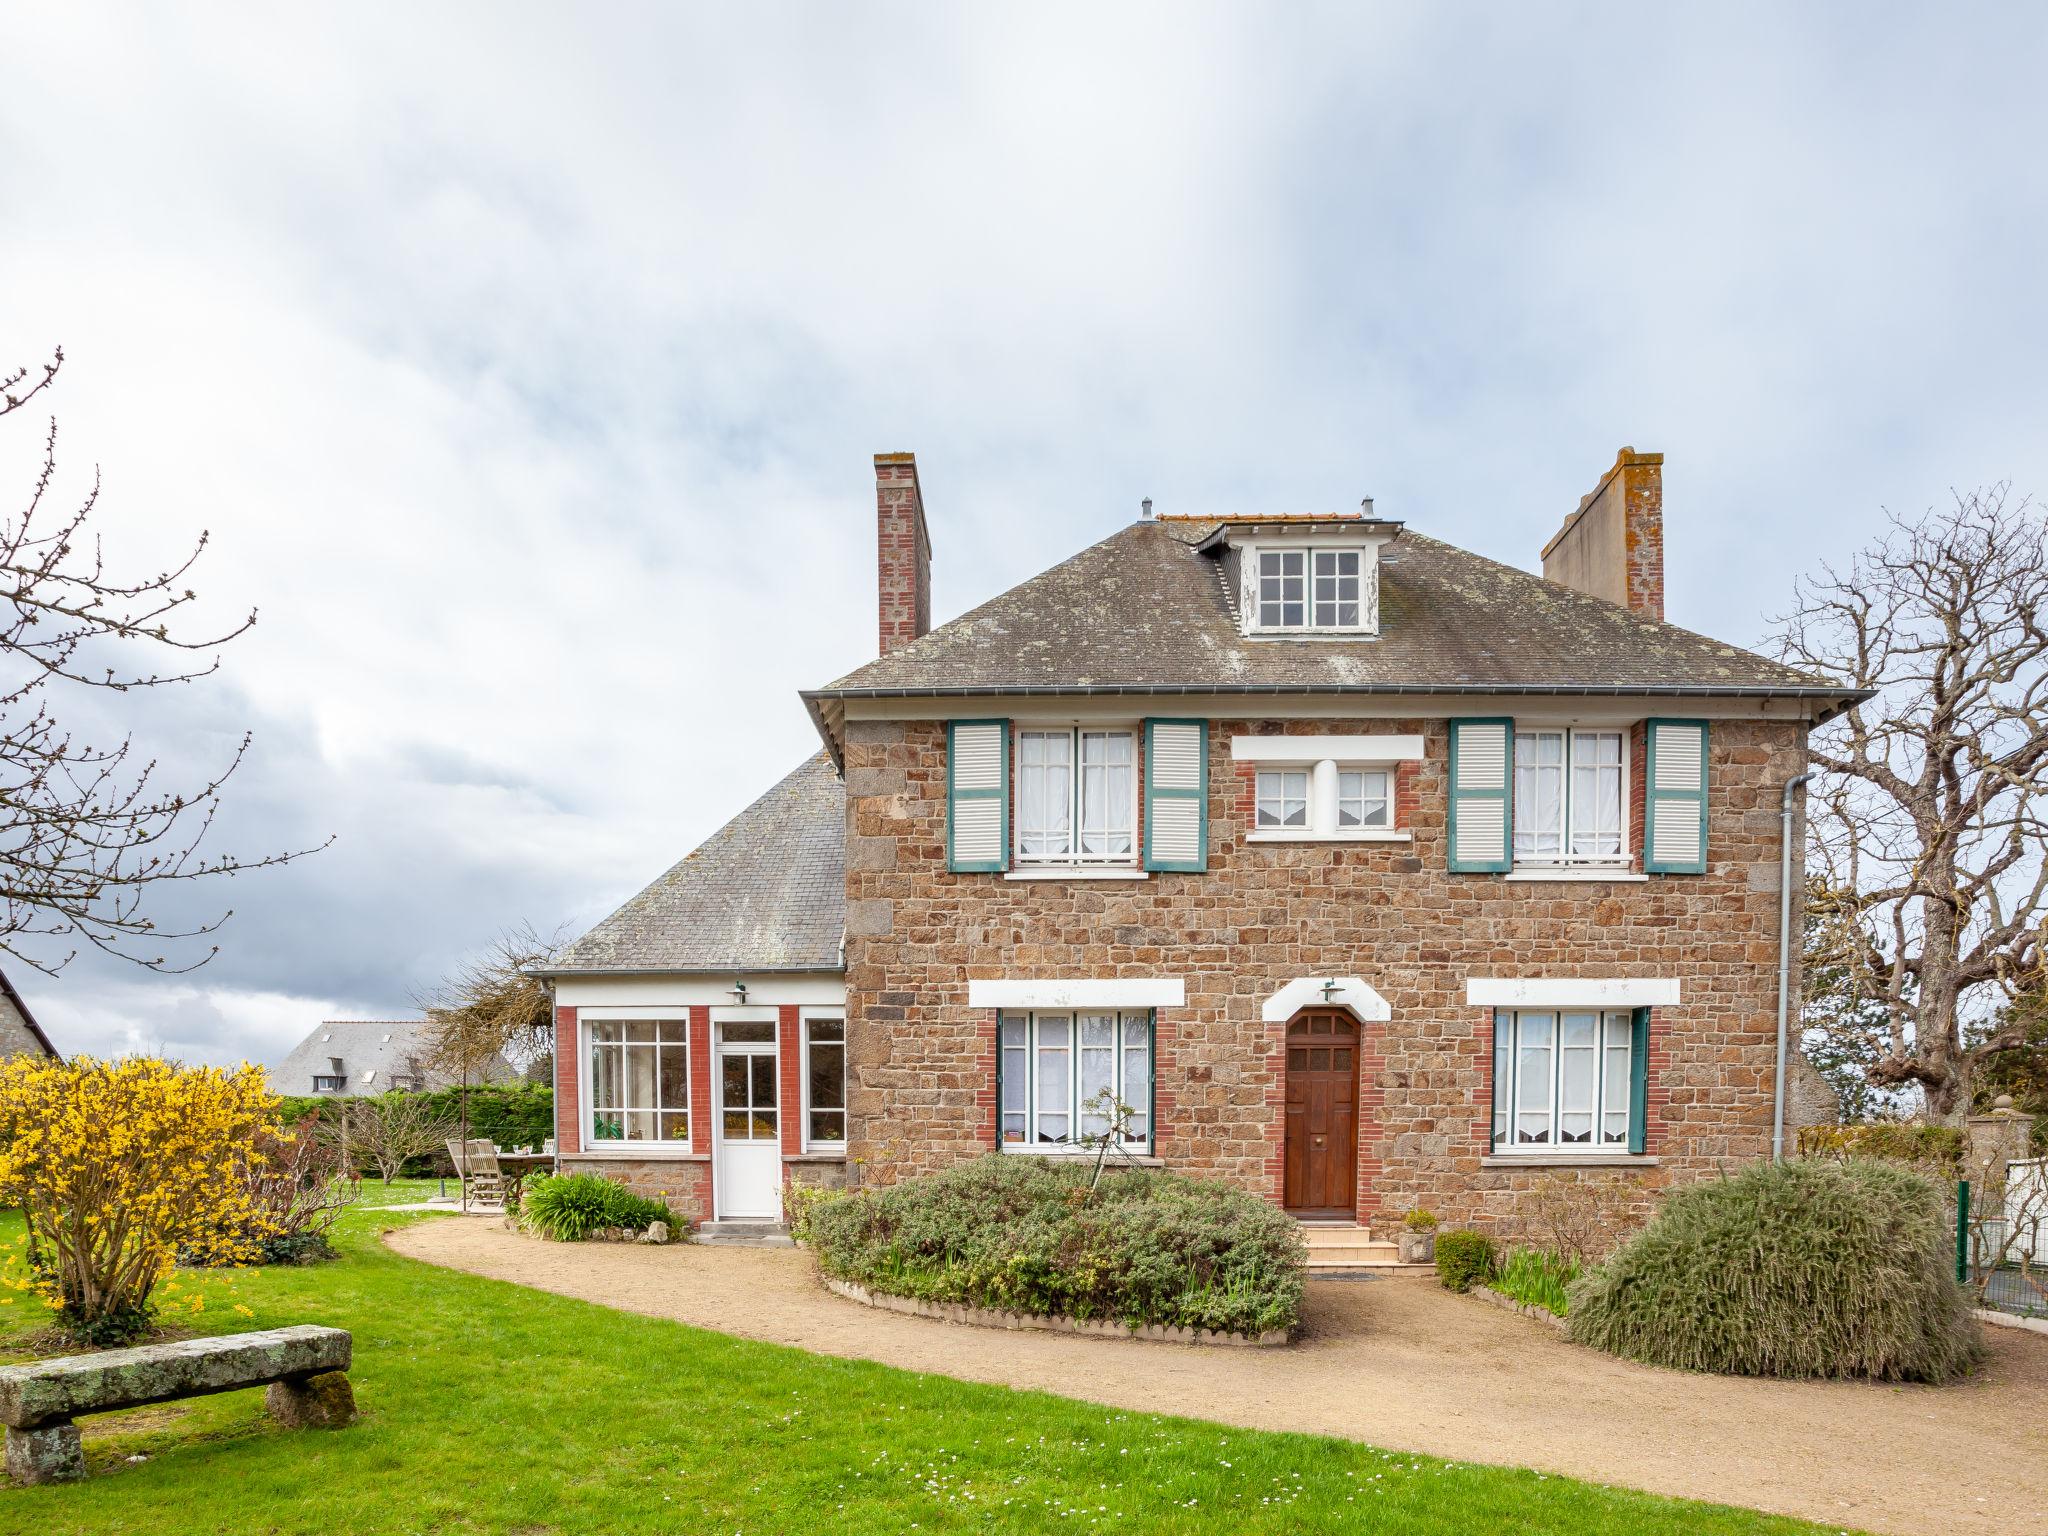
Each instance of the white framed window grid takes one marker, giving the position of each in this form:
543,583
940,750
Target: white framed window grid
1076,795
1308,588
824,1082
638,1088
1365,797
1283,797
1052,1063
1571,796
1562,1079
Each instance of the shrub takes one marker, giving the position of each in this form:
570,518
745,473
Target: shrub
567,1208
117,1166
1463,1258
800,1202
1027,1235
1419,1220
1939,1147
1805,1268
1583,1219
297,1189
1537,1278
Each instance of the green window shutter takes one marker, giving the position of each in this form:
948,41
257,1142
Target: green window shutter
1675,798
1177,795
1482,777
1639,1082
977,795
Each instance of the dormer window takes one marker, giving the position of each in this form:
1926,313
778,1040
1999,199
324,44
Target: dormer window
1311,588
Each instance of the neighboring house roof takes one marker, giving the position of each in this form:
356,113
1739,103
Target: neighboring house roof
14,1009
766,892
1147,610
372,1053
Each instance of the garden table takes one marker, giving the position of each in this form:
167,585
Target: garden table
516,1166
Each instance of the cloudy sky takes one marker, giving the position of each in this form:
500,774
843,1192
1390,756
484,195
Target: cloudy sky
526,364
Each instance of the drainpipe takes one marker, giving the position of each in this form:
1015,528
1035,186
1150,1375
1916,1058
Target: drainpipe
1792,787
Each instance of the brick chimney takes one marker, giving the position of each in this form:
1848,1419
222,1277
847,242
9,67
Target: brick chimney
903,551
1613,546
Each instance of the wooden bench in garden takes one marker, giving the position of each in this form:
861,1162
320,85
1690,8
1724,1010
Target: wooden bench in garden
305,1368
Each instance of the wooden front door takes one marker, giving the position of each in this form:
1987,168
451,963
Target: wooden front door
1322,1114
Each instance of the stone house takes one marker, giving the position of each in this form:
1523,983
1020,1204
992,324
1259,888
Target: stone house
351,1058
20,1034
1307,852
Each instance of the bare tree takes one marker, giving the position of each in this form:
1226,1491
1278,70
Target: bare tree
493,1005
391,1129
1925,819
87,832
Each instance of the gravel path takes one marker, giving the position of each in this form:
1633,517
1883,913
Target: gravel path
1400,1363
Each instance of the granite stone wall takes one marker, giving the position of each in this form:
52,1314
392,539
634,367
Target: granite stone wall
922,1061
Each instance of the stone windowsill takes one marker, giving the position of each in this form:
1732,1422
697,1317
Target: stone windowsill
646,1152
815,1157
1567,1160
1074,872
1368,835
1590,874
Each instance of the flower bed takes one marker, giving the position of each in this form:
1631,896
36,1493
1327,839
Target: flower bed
1014,1234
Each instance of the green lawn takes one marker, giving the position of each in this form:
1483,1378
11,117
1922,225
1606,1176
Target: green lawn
490,1408
403,1191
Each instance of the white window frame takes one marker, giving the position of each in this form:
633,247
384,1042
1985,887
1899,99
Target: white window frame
1366,798
1073,857
587,1109
1564,857
805,1021
1325,801
1144,1020
1507,1084
1280,797
1311,552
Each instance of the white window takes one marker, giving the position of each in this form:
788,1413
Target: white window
1077,796
1308,588
1336,588
1054,1068
825,1082
1365,798
639,1086
1563,1079
1283,797
1282,588
1570,788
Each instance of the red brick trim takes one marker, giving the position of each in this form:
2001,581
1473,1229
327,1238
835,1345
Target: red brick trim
789,1068
700,1080
1482,1096
1165,1073
1372,1103
985,1098
1656,1089
568,1085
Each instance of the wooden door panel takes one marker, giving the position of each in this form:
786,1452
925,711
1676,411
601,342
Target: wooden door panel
1320,1166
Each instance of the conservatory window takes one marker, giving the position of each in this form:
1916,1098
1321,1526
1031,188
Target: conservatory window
639,1080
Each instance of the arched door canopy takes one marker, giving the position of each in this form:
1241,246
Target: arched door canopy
1327,992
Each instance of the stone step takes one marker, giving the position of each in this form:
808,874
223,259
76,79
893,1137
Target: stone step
1345,1245
744,1234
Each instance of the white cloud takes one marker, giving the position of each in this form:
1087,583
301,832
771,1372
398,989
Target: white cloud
525,365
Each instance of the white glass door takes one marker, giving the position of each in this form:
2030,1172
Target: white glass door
747,1124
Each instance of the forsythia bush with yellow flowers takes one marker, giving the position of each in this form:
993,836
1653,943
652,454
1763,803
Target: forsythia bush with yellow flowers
120,1165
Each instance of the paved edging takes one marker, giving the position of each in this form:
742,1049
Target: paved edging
1493,1298
2007,1320
986,1317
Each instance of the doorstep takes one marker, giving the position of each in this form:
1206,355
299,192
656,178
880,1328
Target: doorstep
1339,1245
743,1234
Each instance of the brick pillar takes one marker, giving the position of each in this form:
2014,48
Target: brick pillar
790,1063
903,552
569,1085
700,1079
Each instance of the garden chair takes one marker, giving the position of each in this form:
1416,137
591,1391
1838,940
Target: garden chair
477,1163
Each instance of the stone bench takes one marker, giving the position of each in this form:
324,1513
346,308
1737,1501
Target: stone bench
304,1368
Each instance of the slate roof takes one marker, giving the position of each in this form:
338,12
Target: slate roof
371,1052
1147,611
766,892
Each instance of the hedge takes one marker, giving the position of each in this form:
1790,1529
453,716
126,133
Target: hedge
1936,1145
1024,1234
1798,1269
510,1114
